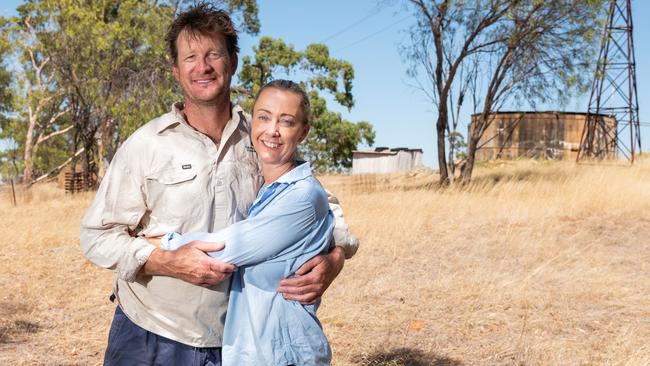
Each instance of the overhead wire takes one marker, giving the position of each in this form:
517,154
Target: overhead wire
374,34
374,11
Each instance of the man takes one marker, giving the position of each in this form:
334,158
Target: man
193,169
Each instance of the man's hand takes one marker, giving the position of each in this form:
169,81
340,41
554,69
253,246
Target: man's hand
190,263
313,278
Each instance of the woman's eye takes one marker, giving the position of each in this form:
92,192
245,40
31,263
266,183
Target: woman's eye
263,118
286,122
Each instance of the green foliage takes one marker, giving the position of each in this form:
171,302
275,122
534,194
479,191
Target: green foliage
246,12
6,170
332,139
105,59
102,64
457,144
271,56
101,67
5,76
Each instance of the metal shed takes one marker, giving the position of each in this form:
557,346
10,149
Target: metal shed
384,160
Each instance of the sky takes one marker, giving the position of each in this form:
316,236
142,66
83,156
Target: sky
369,35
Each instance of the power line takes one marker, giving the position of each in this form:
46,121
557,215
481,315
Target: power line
374,11
374,34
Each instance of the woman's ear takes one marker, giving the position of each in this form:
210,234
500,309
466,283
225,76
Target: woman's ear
305,132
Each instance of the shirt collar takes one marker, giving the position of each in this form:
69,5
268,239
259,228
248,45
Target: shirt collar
300,172
175,117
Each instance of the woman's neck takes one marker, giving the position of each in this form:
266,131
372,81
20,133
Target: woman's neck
272,172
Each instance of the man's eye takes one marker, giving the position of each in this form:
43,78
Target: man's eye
214,55
190,58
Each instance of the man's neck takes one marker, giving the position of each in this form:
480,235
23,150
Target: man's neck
209,119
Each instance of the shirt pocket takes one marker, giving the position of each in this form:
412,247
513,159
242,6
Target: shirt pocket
173,194
249,180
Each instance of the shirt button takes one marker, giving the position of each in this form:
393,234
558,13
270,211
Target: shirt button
219,182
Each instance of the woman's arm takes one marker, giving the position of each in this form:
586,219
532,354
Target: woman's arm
276,231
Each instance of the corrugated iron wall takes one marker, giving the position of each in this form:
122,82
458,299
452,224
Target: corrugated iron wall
538,135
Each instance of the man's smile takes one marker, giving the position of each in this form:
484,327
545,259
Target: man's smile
204,81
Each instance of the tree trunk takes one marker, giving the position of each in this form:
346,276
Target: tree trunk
468,167
450,163
28,158
105,146
441,126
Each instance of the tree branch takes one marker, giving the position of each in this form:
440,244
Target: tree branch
42,138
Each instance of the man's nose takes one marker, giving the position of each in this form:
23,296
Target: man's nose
204,65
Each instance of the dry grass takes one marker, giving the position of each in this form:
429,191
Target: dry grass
534,264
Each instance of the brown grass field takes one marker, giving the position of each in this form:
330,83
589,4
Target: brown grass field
533,264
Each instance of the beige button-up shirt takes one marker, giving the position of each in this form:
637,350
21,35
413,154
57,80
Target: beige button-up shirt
169,177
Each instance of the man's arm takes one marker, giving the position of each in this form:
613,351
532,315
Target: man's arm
105,236
342,236
314,277
190,264
317,274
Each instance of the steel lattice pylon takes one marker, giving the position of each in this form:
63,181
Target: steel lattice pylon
613,92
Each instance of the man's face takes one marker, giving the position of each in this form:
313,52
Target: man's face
204,68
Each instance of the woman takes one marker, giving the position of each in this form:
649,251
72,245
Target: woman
288,224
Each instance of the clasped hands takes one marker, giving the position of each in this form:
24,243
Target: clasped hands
191,263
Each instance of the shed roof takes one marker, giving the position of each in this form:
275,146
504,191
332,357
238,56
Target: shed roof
386,151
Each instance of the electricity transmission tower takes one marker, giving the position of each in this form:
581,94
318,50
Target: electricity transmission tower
613,93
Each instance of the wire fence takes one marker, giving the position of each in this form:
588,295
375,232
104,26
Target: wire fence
370,183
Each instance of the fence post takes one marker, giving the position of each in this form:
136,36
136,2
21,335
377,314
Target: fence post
13,191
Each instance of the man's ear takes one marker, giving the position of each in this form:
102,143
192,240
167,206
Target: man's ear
234,61
175,71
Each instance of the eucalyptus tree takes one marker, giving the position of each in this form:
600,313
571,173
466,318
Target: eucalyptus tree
547,56
99,66
511,48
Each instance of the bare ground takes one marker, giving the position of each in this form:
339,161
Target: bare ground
533,264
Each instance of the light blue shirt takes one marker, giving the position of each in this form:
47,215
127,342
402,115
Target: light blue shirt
288,223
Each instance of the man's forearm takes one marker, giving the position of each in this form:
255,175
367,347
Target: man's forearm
336,258
99,246
155,265
189,263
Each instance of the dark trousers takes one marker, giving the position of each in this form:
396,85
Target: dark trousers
128,344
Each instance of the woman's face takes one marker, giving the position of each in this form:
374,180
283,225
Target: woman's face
278,126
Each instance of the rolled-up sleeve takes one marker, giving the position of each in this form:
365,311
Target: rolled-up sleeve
342,236
116,210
